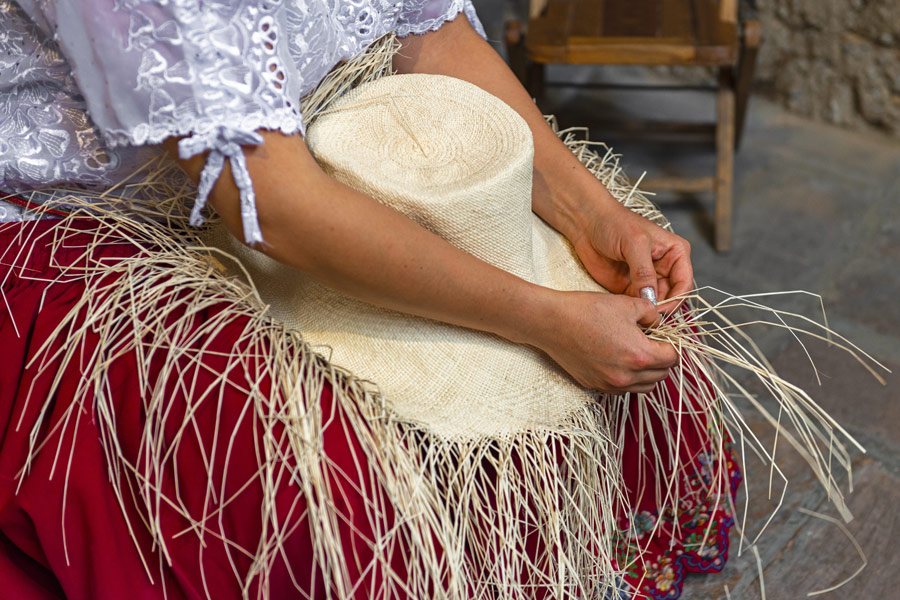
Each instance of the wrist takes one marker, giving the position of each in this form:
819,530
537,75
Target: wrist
532,316
575,203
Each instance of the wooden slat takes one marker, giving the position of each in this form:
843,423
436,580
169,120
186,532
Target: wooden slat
701,25
563,33
728,11
679,184
561,12
584,52
635,18
724,159
625,40
676,21
711,29
588,19
547,39
632,87
726,34
647,128
746,66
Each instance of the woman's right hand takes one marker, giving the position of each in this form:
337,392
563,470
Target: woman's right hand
597,339
308,217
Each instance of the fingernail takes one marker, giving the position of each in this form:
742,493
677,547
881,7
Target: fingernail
648,293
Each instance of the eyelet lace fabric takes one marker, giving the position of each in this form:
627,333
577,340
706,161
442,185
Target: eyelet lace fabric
89,87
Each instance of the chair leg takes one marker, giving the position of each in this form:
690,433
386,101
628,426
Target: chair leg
535,79
725,133
514,38
750,40
530,73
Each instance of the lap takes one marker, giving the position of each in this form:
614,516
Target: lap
191,473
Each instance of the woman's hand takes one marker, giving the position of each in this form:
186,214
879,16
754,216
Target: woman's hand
625,253
596,338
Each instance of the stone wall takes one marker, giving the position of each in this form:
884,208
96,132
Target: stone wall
832,60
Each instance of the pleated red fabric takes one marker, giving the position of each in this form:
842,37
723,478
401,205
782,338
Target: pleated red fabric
64,533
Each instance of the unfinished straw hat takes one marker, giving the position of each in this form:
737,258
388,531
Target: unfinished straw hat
450,489
458,161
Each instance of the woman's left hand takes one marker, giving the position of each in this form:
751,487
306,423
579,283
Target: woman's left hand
625,252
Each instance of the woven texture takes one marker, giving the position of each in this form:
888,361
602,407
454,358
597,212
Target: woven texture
458,161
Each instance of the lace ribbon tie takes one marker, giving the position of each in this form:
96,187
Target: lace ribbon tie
224,142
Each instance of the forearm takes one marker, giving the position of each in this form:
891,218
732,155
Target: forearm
352,243
356,245
565,193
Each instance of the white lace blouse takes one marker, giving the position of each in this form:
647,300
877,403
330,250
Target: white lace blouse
89,87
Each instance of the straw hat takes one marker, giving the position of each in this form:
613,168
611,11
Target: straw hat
458,161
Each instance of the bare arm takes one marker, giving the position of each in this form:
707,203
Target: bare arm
622,251
346,240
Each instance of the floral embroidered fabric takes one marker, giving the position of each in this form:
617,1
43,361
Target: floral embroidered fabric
140,71
656,551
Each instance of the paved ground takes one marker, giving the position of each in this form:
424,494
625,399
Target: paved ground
817,209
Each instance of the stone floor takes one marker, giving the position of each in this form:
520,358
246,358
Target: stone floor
816,209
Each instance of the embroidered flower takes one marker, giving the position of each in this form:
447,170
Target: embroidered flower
699,520
689,535
666,579
641,523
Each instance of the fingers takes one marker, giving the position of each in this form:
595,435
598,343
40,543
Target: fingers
637,381
638,254
681,274
646,383
661,356
668,272
603,347
646,313
650,361
648,366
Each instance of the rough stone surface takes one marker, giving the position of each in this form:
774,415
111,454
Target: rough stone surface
833,60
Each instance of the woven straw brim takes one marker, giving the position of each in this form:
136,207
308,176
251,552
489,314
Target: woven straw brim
458,161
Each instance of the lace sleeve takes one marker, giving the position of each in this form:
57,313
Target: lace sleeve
214,71
422,16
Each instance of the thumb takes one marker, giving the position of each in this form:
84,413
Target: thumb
637,254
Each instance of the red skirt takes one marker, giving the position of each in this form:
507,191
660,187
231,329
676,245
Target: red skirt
67,532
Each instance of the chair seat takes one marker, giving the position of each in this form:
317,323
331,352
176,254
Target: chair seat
635,32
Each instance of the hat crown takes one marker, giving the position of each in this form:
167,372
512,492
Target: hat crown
458,161
460,167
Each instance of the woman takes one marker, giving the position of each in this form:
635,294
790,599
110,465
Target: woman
218,85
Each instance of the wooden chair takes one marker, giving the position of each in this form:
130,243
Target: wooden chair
652,32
